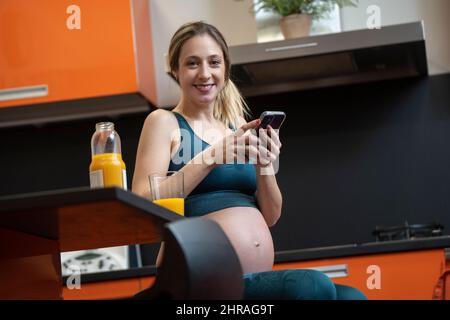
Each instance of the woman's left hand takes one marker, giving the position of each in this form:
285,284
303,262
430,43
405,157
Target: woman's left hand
269,146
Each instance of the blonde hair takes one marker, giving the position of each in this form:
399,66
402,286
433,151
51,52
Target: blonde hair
229,104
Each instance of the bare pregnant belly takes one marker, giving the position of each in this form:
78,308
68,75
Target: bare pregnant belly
250,236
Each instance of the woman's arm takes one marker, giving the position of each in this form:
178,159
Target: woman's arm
268,195
154,154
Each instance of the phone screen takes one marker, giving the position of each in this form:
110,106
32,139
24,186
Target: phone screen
274,120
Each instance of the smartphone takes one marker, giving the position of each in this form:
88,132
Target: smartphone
273,118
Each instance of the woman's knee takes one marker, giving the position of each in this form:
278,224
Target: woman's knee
321,287
292,284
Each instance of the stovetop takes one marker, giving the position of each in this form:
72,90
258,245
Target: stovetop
407,231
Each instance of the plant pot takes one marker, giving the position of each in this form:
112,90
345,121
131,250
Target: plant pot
296,26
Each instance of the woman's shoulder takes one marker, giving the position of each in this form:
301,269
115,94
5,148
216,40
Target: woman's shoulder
162,116
161,120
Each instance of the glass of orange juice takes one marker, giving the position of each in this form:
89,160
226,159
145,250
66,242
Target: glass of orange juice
167,190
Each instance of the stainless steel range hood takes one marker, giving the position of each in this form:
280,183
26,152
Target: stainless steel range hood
328,60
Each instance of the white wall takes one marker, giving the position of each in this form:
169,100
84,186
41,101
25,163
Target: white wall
231,17
435,14
392,12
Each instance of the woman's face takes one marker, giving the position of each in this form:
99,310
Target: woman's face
201,71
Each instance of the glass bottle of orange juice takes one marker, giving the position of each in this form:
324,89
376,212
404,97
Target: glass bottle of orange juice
107,168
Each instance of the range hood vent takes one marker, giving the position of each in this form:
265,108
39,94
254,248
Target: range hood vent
329,60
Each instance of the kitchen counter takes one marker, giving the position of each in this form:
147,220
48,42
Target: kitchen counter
300,255
363,249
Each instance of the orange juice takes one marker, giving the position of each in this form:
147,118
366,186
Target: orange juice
107,170
173,204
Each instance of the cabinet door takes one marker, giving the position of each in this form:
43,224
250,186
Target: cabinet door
38,49
410,275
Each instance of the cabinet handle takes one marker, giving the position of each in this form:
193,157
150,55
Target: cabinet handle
296,46
336,271
23,92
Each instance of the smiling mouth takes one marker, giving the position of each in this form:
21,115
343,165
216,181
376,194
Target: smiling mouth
204,87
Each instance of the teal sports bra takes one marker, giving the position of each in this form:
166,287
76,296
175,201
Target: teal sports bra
228,185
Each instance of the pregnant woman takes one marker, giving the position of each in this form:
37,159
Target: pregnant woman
205,136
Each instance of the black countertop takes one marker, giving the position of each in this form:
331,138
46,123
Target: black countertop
363,249
300,255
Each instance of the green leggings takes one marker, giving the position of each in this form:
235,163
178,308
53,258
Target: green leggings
296,284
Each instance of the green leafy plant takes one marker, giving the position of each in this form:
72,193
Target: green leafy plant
315,8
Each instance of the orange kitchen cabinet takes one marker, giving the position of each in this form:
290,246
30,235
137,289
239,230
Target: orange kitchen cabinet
103,290
111,289
37,48
410,275
147,282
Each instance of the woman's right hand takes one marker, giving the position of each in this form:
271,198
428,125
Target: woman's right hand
239,147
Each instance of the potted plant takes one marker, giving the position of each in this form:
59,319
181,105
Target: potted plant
297,15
